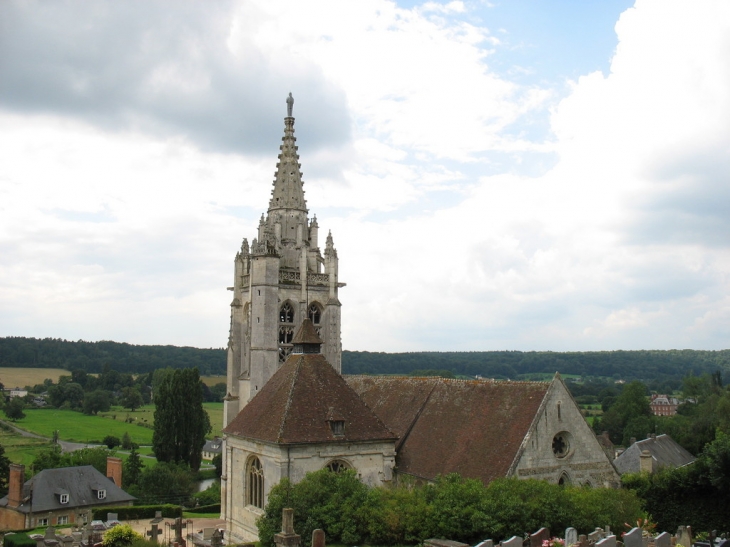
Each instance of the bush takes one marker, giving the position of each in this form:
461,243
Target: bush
111,441
213,508
452,507
121,535
18,540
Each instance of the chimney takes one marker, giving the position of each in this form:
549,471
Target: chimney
114,470
15,485
646,462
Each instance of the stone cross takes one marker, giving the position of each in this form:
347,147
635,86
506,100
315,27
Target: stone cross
633,538
608,541
571,536
663,540
514,541
318,538
287,537
538,537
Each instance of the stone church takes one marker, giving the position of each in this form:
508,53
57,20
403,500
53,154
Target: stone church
290,411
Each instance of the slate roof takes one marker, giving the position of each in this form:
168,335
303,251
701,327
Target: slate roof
81,483
294,407
213,446
664,450
472,427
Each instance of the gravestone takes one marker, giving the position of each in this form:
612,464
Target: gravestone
50,533
571,536
663,540
216,540
633,538
318,538
514,541
583,540
684,536
538,537
486,543
608,541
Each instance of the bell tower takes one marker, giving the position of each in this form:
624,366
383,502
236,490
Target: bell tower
279,280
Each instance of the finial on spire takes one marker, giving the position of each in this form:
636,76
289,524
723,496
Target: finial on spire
289,105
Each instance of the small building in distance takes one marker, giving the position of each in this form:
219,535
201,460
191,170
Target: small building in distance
651,454
212,448
662,405
59,496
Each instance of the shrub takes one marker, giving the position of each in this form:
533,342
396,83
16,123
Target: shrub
121,535
111,441
134,512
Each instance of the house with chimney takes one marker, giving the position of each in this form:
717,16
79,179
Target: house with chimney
65,495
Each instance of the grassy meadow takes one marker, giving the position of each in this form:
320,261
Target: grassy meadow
77,427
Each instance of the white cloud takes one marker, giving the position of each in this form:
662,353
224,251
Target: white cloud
127,229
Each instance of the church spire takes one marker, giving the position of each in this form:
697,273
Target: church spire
288,192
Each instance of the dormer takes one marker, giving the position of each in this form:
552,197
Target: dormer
62,496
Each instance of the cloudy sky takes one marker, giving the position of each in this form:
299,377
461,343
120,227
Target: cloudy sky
502,174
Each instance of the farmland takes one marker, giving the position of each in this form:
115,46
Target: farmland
21,377
76,427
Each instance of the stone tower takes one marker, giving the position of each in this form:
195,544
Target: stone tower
278,281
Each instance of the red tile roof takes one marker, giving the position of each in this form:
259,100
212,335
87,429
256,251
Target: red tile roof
295,404
472,427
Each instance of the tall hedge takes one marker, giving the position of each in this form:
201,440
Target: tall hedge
452,507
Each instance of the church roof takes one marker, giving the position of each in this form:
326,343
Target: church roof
473,427
307,334
300,401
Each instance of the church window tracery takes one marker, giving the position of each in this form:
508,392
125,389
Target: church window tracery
315,314
338,466
286,334
561,444
255,490
286,314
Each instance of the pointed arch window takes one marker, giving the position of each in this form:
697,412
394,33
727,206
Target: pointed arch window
315,314
255,490
286,334
286,314
338,466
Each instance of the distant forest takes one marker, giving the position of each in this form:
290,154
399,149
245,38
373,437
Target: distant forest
652,366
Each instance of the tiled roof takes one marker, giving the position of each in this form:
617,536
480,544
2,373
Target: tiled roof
295,404
81,483
664,450
472,427
307,334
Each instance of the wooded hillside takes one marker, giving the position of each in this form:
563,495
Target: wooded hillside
654,365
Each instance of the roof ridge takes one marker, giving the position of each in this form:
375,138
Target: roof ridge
298,366
452,380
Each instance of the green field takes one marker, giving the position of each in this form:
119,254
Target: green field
19,449
77,427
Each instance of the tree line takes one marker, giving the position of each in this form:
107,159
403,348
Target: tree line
18,351
656,367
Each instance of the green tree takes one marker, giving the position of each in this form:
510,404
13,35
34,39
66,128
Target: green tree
4,471
131,398
164,483
132,468
631,403
181,422
127,443
111,441
14,409
97,401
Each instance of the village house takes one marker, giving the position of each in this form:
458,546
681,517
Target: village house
651,454
59,496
